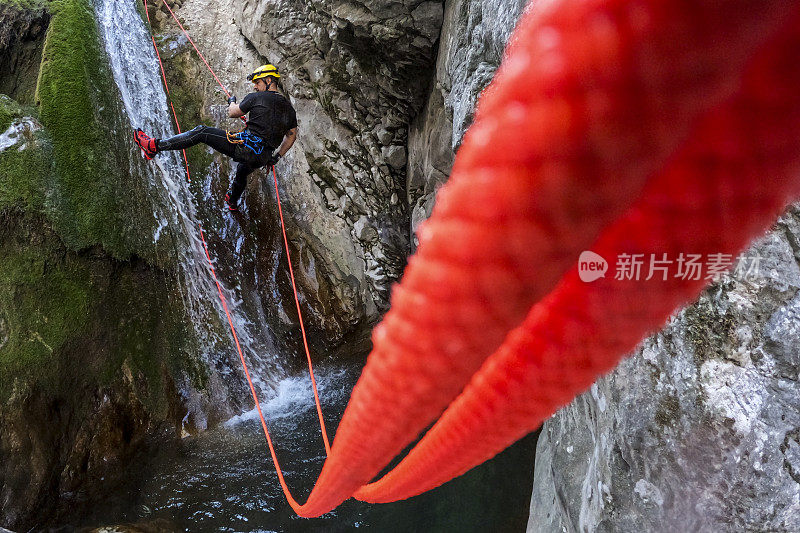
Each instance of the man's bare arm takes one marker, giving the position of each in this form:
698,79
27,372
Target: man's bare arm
288,141
234,111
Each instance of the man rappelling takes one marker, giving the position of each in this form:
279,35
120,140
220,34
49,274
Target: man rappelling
271,130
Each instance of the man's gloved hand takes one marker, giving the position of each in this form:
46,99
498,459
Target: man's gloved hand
231,99
273,159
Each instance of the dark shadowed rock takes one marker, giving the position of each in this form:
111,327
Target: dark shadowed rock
22,29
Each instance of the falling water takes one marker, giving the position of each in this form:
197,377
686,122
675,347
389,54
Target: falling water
137,74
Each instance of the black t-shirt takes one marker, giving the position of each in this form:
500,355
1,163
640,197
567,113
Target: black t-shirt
271,116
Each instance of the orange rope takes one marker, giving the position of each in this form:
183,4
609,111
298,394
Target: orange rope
708,198
281,479
202,57
292,502
300,316
195,47
166,86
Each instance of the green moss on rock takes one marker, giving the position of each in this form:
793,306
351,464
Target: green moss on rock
79,291
44,301
147,330
81,319
25,165
21,175
79,288
709,330
26,4
93,198
9,111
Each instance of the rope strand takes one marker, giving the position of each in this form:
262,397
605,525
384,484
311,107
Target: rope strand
224,89
284,486
300,317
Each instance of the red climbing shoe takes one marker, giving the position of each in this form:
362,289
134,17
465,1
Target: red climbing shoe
146,143
231,207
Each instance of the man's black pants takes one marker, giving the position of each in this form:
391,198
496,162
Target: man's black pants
218,140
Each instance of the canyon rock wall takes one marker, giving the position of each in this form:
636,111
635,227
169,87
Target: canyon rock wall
356,73
698,430
474,35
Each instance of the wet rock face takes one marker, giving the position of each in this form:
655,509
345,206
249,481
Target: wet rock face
77,398
356,73
698,430
74,460
19,23
159,525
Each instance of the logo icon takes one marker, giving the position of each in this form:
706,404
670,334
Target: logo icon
591,266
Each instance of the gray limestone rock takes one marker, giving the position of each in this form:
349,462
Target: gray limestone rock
473,38
698,430
394,156
356,73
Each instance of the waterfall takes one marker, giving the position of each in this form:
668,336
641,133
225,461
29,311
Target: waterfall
137,74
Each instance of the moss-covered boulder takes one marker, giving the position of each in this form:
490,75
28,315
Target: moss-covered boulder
25,157
94,199
95,353
90,347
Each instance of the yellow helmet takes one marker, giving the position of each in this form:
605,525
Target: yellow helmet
263,71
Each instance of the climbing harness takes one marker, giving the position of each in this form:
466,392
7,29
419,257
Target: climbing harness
248,139
613,138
